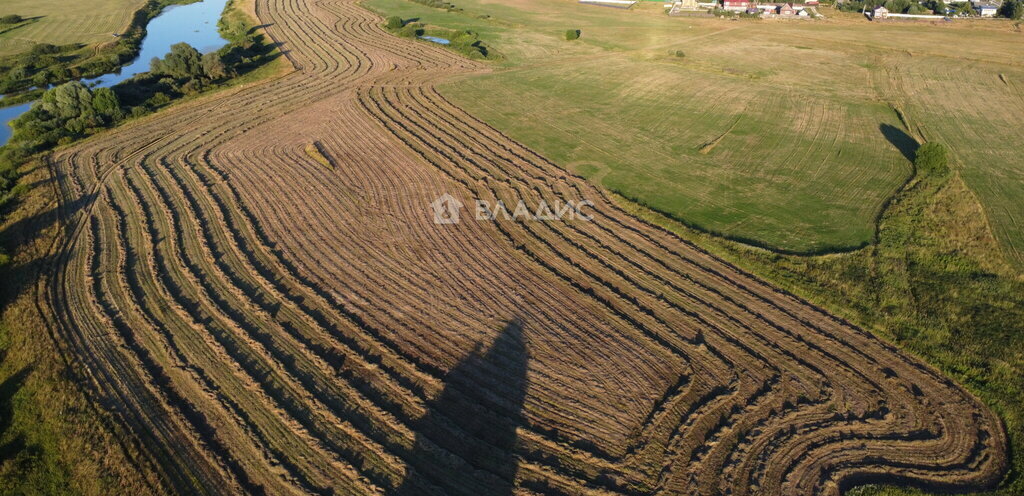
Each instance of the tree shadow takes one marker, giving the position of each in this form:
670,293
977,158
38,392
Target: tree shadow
254,29
19,233
465,443
903,142
8,388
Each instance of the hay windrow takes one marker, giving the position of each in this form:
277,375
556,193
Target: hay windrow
261,332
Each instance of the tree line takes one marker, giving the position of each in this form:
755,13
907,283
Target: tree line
1010,9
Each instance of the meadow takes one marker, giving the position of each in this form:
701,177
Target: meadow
247,293
780,134
941,273
59,22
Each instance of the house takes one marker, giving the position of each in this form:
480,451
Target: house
735,5
880,13
986,10
787,10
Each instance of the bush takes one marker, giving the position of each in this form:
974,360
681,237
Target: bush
937,6
1011,9
965,9
679,53
394,22
65,113
10,19
932,158
183,61
411,30
572,34
44,49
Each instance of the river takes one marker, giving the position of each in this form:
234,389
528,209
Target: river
195,24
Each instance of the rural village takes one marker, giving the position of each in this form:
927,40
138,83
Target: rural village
809,9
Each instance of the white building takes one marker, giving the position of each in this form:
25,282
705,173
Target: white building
986,10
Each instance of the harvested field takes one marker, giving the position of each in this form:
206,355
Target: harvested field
266,324
60,22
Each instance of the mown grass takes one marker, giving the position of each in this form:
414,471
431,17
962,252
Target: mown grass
60,22
934,276
810,162
935,284
53,438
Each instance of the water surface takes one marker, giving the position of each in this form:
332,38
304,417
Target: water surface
8,114
195,24
435,39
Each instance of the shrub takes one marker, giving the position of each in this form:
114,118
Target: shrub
572,34
394,22
1011,9
932,158
411,30
182,62
937,6
897,6
10,19
965,9
44,49
679,53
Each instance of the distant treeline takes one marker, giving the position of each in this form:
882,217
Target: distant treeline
1011,9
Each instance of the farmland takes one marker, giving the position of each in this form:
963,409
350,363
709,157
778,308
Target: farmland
59,22
253,286
805,116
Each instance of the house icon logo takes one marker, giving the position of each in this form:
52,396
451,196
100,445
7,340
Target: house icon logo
446,209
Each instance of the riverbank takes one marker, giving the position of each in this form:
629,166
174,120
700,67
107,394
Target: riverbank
53,438
46,64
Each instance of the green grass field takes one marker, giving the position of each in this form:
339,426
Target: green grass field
809,125
781,134
62,22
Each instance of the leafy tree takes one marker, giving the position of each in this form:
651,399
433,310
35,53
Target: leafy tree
18,73
182,62
897,6
937,6
395,22
64,113
1011,9
44,49
917,9
411,30
966,9
106,104
932,158
214,66
10,19
572,34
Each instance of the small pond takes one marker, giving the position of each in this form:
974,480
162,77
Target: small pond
435,39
